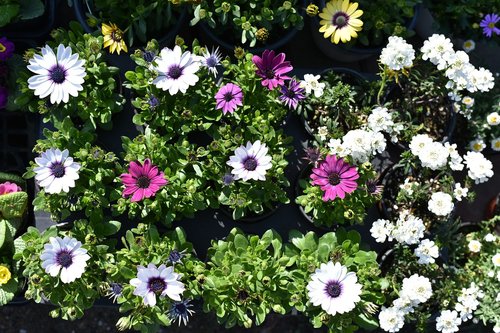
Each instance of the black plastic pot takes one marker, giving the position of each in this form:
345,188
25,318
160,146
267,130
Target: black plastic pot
80,9
348,54
252,217
36,28
227,45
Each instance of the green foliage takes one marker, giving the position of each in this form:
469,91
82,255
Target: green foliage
20,10
307,252
246,18
144,245
246,278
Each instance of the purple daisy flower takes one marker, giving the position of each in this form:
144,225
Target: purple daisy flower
292,94
272,68
335,177
6,48
4,96
488,25
228,98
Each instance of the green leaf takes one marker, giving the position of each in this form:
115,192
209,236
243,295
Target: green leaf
367,323
110,228
13,204
240,241
7,291
7,13
127,273
31,9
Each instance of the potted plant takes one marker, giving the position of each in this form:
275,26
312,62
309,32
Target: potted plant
27,20
13,209
363,26
336,102
132,22
266,24
81,86
246,278
422,94
154,278
334,281
340,184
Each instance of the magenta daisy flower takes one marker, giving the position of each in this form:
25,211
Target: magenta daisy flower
488,25
142,181
335,177
6,48
228,98
272,68
292,94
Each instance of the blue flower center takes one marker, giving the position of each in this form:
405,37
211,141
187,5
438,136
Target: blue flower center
340,19
174,256
333,289
334,178
180,308
58,170
157,285
143,182
64,258
250,164
174,72
57,74
290,93
211,61
149,56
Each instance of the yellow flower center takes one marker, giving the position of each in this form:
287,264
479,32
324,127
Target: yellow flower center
478,146
497,144
491,25
4,275
117,35
2,48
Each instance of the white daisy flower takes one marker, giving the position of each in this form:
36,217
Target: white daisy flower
460,192
161,281
490,237
441,204
311,84
391,319
56,171
250,162
58,76
176,70
496,260
474,246
469,45
211,60
495,144
417,288
493,119
334,288
448,322
380,230
477,145
64,255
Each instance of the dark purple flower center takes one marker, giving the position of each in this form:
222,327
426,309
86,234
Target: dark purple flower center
149,56
211,61
340,19
180,308
228,96
334,178
333,289
157,285
153,102
371,187
175,72
227,179
250,164
64,258
269,73
57,74
116,288
290,93
143,182
175,256
58,170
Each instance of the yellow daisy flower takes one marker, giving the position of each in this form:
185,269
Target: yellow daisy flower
4,274
113,37
340,20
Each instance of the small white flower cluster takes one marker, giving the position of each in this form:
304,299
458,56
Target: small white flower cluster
427,252
480,169
380,120
398,54
441,204
467,303
415,290
408,186
361,144
435,155
408,229
311,84
462,74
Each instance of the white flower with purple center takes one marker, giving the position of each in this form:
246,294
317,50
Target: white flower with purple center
176,70
161,281
64,256
211,60
56,171
334,288
58,75
250,162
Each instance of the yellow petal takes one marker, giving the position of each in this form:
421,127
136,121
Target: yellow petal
326,16
124,46
356,14
352,8
112,48
336,37
345,5
356,23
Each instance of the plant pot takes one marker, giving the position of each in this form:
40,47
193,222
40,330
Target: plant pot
348,54
251,217
81,10
349,76
493,208
36,28
223,41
